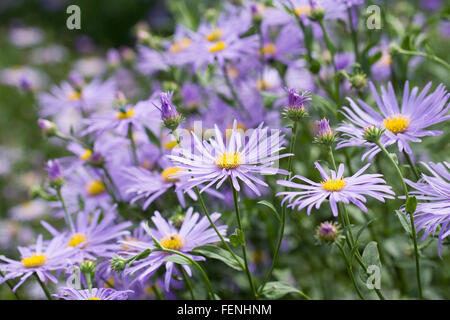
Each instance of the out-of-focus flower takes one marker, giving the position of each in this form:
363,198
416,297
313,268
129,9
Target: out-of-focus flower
213,163
402,124
336,189
23,37
29,210
327,232
433,211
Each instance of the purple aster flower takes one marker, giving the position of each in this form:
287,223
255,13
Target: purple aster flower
434,209
93,96
402,124
95,294
92,237
54,170
194,232
336,189
211,162
138,115
41,259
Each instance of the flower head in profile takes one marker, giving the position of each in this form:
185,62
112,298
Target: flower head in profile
92,237
94,294
169,114
296,108
212,162
325,135
41,259
335,188
432,214
194,232
402,124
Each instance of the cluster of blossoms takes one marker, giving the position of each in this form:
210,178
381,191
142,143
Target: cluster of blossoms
251,78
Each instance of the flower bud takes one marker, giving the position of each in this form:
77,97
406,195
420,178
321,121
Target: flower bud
325,135
47,127
358,81
327,232
317,12
54,173
118,263
88,267
169,114
372,134
296,109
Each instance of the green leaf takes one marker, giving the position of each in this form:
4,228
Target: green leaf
271,207
177,259
218,253
151,136
322,103
403,220
375,58
237,238
363,228
278,289
371,257
411,205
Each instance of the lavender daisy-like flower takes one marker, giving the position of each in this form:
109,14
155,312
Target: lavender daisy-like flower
92,237
193,232
94,294
211,162
297,104
138,115
402,124
434,211
142,184
335,188
41,259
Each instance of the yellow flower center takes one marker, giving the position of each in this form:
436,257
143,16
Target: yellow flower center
95,188
109,283
173,242
125,115
167,174
386,59
333,185
74,96
76,239
86,155
396,124
263,85
36,260
218,46
306,10
230,160
269,48
214,36
180,45
127,246
170,144
93,298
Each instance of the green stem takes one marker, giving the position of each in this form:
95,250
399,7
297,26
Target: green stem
66,212
157,293
411,217
332,51
188,283
195,264
244,249
283,211
231,88
111,182
425,55
133,144
350,271
354,34
225,244
44,288
411,165
10,286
